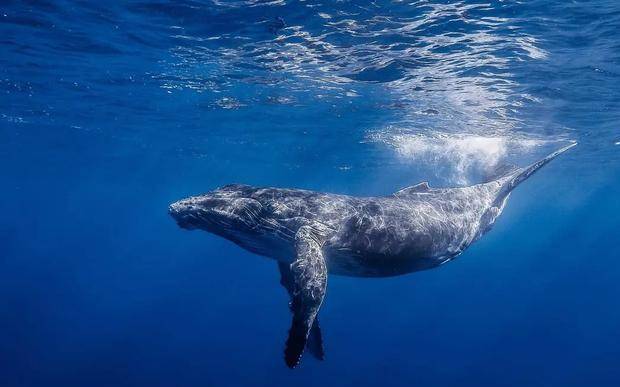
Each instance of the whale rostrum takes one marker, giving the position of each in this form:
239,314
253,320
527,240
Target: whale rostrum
312,234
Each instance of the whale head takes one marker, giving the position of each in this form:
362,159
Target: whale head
224,211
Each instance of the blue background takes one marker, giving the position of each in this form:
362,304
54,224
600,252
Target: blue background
109,112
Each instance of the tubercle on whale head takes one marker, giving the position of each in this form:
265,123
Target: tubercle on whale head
223,209
185,212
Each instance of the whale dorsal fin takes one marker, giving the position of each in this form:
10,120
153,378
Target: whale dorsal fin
420,187
306,280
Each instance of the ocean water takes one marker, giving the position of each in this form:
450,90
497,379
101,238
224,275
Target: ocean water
111,111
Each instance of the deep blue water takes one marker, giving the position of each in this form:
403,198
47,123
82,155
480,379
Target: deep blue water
109,112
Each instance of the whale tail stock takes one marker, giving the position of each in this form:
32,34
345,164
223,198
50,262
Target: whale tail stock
513,179
508,182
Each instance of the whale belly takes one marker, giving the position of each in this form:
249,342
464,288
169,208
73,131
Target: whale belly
351,263
388,249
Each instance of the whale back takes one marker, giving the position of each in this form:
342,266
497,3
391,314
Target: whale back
484,201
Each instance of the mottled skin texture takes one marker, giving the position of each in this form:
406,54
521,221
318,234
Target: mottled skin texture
360,237
312,234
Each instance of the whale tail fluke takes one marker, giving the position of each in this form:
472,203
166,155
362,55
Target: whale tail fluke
511,180
517,177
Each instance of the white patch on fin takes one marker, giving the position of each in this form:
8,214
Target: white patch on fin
418,188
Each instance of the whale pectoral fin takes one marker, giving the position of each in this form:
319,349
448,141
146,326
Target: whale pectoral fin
315,337
306,281
315,341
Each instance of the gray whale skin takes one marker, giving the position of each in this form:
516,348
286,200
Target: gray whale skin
311,234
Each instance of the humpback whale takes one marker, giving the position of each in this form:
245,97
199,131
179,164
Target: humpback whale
313,234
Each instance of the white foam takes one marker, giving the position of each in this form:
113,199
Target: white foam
462,154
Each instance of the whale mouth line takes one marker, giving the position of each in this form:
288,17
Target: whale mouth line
186,221
192,218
